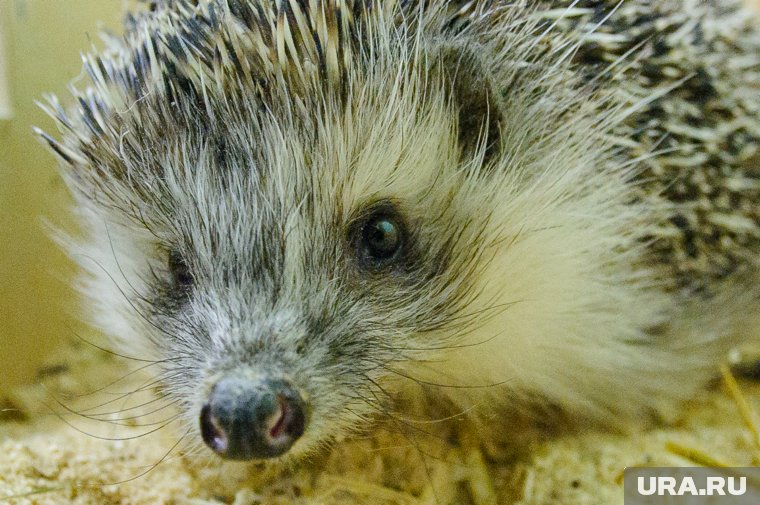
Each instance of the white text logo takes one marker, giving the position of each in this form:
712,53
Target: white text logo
715,486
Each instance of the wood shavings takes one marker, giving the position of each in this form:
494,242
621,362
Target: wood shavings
694,455
746,412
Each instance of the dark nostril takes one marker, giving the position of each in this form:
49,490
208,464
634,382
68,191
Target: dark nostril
247,419
212,432
289,420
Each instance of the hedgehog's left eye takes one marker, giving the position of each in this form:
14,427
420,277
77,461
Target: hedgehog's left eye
181,276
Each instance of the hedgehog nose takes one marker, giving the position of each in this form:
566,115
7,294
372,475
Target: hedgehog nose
246,419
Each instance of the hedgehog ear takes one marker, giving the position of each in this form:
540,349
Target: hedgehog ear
475,97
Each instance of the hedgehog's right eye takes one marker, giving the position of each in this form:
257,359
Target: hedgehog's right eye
180,272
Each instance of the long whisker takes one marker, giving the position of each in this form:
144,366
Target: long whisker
114,353
153,466
124,410
112,439
112,383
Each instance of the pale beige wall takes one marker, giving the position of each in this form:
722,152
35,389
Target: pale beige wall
42,40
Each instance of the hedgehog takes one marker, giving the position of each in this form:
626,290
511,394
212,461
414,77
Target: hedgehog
304,211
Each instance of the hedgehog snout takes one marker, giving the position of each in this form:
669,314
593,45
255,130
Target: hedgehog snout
246,419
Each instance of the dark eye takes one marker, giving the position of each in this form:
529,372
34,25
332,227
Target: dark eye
382,238
181,275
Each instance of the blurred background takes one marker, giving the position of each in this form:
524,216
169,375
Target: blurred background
40,45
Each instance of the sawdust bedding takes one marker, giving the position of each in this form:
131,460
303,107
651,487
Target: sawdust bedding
49,455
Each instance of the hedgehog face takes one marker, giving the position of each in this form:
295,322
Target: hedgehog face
282,264
291,246
302,275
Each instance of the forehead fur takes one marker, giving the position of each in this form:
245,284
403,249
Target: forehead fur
205,68
218,84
